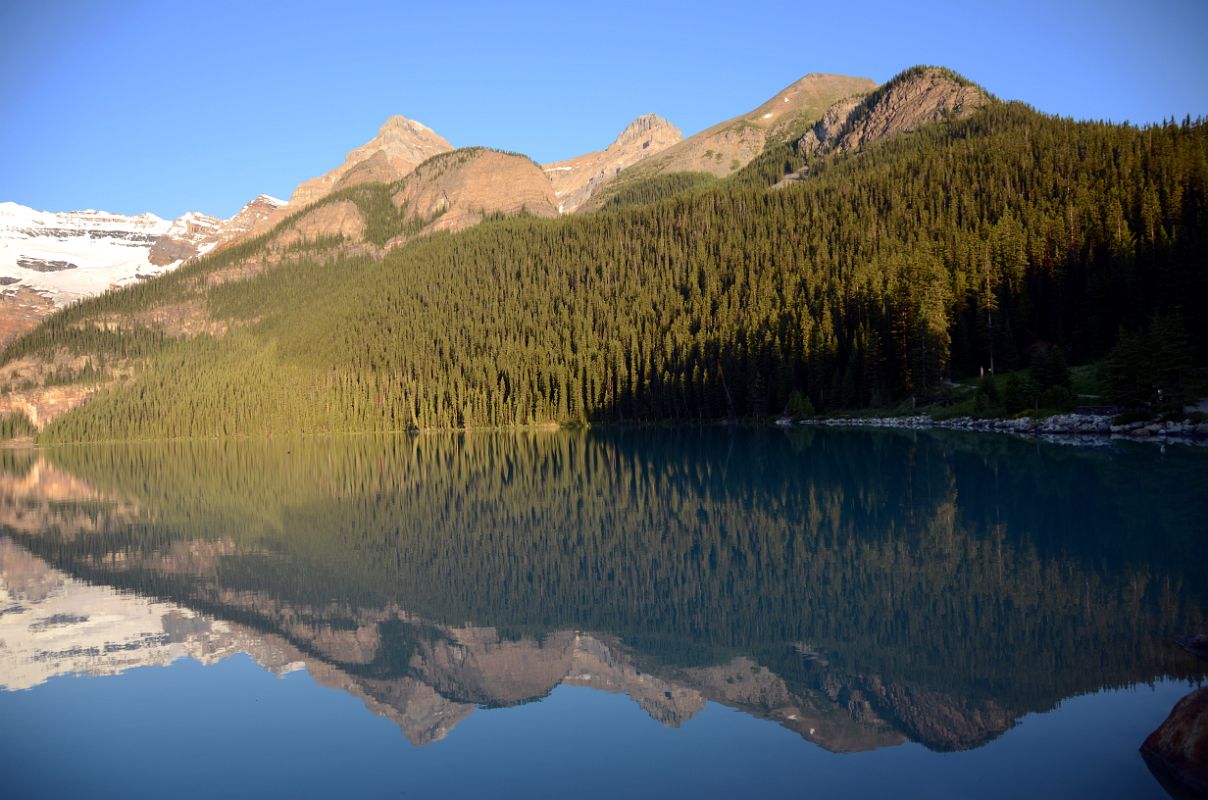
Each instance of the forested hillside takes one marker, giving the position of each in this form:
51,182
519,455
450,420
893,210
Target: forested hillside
876,277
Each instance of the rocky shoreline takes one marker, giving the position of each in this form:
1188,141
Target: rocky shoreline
1084,427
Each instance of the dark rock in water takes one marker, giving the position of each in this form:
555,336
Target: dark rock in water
1177,752
1196,645
7,281
44,264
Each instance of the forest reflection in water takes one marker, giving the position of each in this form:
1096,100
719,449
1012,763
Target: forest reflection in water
860,588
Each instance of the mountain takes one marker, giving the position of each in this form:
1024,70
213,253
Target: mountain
448,192
929,227
58,625
74,254
52,259
917,97
728,146
459,189
187,236
576,179
400,146
254,214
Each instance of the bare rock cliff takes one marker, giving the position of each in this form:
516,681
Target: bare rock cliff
338,219
919,97
254,217
188,236
731,145
400,146
457,190
575,180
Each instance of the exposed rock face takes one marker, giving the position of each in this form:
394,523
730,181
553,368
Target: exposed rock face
252,218
919,98
830,127
731,145
45,264
377,168
400,146
461,188
1177,752
21,309
38,394
356,646
421,713
44,403
577,179
188,236
341,218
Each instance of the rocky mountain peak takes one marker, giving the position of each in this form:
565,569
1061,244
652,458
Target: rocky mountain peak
406,138
915,97
646,128
400,146
398,125
730,145
189,235
265,200
458,190
575,180
256,216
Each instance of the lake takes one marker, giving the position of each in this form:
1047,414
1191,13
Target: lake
707,612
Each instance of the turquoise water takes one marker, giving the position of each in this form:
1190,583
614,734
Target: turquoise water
646,613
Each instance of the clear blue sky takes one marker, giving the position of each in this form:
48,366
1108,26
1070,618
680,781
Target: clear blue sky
169,107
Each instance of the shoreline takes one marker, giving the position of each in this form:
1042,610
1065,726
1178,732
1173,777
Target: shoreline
1072,427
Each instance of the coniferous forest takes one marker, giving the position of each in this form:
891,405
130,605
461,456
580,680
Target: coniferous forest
876,278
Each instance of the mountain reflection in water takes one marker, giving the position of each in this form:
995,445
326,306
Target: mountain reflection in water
859,588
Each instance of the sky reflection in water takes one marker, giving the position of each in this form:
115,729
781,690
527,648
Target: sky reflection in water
704,613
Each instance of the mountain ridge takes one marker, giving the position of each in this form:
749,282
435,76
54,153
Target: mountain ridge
743,297
576,179
727,146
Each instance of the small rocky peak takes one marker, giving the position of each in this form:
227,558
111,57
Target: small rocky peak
268,201
398,132
646,128
916,97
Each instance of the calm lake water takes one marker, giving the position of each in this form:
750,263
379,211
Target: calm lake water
633,613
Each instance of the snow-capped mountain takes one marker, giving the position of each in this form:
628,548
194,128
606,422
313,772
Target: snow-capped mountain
189,235
256,215
70,255
52,259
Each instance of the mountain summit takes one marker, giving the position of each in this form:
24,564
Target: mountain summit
731,145
401,145
576,179
917,97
